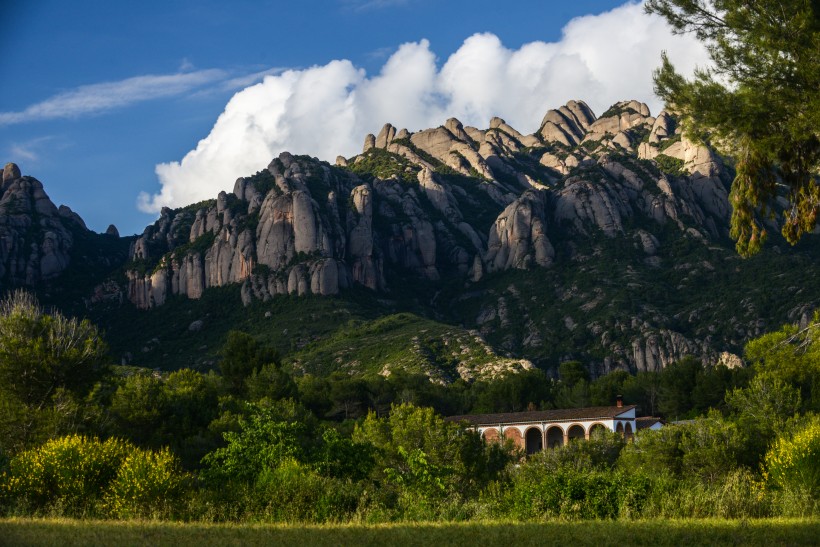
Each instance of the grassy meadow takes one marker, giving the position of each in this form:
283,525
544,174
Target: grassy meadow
65,532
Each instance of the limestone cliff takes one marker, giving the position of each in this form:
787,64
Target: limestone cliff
36,237
460,203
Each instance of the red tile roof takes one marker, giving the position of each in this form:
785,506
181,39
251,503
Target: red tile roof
556,415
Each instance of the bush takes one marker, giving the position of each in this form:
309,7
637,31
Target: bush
67,475
148,484
294,492
81,476
738,495
418,452
669,165
793,463
271,433
599,453
573,494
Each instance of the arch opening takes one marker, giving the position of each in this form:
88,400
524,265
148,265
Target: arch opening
576,432
596,429
555,437
513,434
534,442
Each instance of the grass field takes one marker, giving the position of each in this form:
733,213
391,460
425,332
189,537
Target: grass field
770,532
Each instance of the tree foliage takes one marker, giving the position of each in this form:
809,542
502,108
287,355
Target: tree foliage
794,460
759,103
791,357
47,361
41,352
242,355
422,455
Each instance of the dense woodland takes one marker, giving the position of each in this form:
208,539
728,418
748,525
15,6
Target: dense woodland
253,442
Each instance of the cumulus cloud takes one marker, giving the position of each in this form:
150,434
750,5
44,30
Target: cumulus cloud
327,110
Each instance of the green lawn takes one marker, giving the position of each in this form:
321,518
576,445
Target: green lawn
769,532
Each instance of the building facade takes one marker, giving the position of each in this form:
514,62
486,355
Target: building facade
532,431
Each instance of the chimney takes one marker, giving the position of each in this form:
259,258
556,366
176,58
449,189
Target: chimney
619,401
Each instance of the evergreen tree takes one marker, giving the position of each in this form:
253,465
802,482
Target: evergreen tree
759,103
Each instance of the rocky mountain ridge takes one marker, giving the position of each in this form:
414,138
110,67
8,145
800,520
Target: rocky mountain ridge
303,226
592,238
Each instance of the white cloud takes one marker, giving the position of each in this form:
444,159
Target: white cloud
361,5
245,80
30,150
102,97
186,65
327,110
24,151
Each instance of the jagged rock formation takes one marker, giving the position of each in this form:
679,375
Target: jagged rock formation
35,236
443,202
41,244
592,238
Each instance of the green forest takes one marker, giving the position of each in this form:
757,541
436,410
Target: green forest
252,442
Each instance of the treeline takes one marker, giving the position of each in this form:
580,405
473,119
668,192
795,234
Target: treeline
257,443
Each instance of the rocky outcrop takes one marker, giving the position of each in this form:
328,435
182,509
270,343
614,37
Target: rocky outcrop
365,268
597,209
653,352
35,238
568,124
518,238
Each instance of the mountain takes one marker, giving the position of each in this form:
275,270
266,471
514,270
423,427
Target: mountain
41,243
455,251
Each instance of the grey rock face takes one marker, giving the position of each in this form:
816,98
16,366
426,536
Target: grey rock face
459,203
655,351
35,236
312,241
518,238
453,203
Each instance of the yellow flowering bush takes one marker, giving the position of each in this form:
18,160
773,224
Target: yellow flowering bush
70,472
77,475
794,462
148,484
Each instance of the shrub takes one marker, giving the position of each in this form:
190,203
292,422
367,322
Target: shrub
68,474
793,463
669,165
270,434
600,453
148,484
293,492
575,494
737,495
417,451
79,476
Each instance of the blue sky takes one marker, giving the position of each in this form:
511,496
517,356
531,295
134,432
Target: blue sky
97,94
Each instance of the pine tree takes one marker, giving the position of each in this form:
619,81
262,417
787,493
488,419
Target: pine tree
759,103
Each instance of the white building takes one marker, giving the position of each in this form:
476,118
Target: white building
534,430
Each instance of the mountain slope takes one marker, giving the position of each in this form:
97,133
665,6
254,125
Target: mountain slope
603,239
